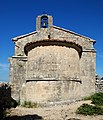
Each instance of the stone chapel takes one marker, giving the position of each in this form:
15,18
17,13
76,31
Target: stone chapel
52,64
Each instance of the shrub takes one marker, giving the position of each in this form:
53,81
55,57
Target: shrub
97,99
29,104
86,109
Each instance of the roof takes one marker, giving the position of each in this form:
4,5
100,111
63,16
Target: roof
22,36
59,28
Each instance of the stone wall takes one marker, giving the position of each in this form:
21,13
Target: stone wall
52,34
87,72
17,75
51,92
53,63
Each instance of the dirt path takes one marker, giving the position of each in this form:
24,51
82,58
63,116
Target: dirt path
61,112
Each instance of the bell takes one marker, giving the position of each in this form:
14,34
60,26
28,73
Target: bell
44,25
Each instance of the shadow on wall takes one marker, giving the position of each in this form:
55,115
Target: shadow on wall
26,117
6,101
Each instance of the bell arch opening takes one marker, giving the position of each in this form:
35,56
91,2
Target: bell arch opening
44,21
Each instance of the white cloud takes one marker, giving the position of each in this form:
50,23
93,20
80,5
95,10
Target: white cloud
100,55
4,72
4,66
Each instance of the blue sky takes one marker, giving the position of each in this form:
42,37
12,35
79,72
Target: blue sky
18,17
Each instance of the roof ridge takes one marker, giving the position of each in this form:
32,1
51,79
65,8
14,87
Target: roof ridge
73,32
21,36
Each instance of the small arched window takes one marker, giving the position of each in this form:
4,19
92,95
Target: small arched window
44,22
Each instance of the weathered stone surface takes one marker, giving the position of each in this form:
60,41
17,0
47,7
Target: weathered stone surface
52,65
17,75
53,62
51,91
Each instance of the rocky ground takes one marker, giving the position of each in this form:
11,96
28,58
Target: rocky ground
60,112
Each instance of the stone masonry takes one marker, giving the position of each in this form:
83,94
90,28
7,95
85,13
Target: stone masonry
52,64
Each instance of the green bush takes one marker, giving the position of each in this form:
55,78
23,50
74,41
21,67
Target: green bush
29,104
86,109
97,99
